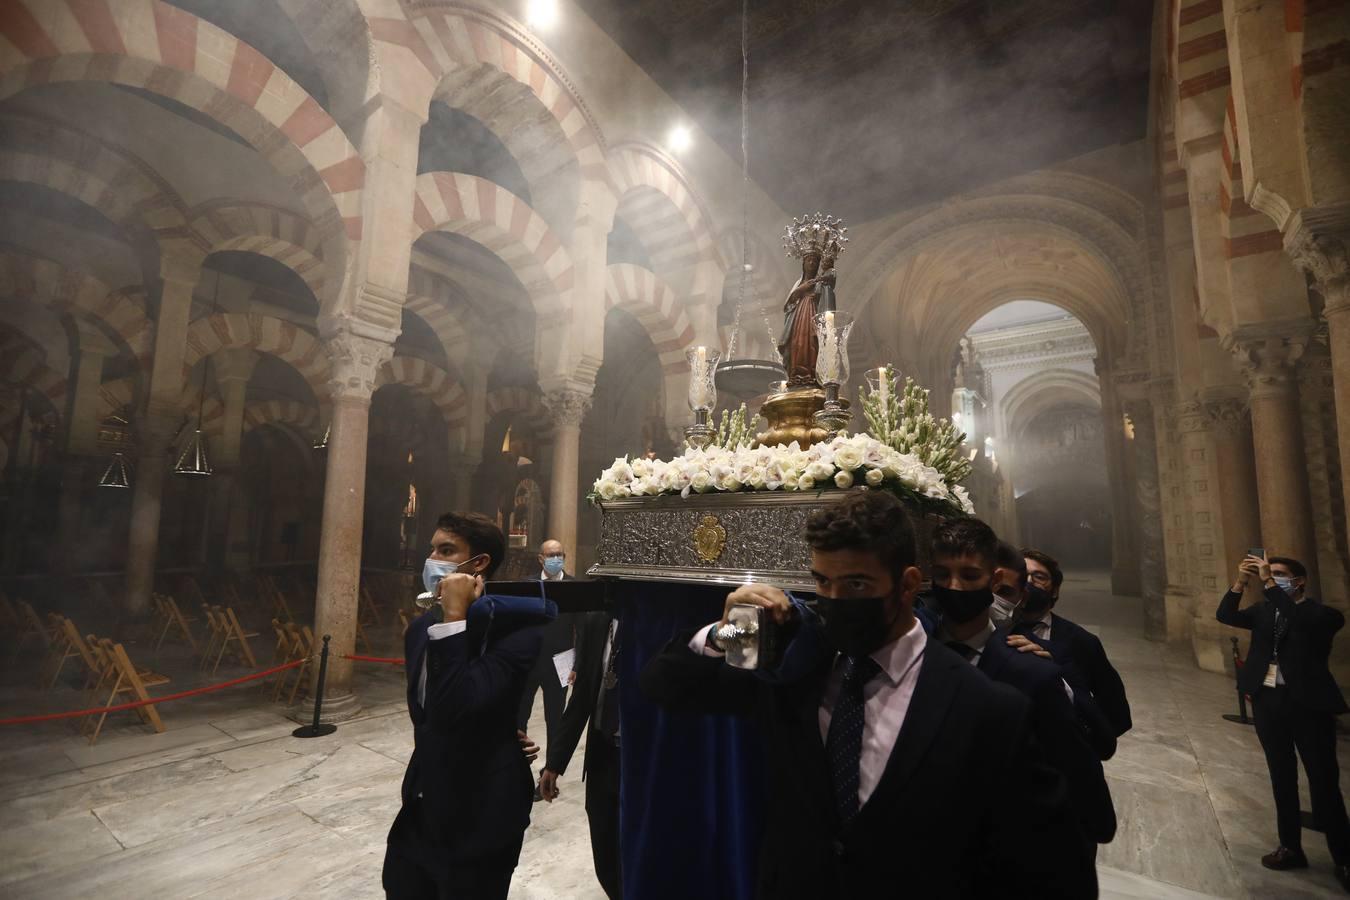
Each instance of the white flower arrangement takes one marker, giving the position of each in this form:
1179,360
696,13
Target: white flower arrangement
843,462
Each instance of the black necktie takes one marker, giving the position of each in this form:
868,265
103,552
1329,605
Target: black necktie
843,743
965,651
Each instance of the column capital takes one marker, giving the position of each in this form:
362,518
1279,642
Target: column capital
1267,353
356,361
1318,242
1190,417
1230,415
568,406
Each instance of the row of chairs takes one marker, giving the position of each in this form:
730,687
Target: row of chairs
109,673
294,642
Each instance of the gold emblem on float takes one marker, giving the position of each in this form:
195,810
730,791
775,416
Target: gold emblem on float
709,539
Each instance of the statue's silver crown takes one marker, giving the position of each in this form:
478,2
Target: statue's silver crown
816,233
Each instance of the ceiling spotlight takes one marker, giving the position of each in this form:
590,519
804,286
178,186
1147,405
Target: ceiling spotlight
541,14
680,139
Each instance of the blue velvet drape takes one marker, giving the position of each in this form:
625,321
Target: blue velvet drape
691,803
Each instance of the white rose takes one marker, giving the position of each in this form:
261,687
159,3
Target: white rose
701,482
843,480
756,478
806,482
874,477
730,483
848,457
820,470
607,489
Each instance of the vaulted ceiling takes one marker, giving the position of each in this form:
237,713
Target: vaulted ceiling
864,108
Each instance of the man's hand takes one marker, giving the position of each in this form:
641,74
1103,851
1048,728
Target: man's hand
1023,644
456,591
548,785
771,598
527,746
1263,570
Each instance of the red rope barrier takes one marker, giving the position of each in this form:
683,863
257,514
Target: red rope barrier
379,659
24,720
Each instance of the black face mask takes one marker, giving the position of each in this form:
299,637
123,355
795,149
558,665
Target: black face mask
1037,602
961,606
856,626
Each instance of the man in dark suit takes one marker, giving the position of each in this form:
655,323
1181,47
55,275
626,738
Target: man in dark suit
466,792
595,699
889,762
964,552
1295,701
558,638
1072,645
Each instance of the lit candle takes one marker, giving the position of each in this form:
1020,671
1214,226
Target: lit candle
885,382
829,321
702,356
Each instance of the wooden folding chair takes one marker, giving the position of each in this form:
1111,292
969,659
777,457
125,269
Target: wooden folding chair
302,647
126,678
272,591
215,637
369,606
67,645
231,630
404,619
30,627
174,620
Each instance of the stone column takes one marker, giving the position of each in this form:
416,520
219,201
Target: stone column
81,439
1238,501
232,370
1124,544
567,407
1152,571
1200,491
1267,353
356,360
155,428
1317,242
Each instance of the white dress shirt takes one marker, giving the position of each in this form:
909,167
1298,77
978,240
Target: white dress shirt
885,699
435,632
544,576
1041,628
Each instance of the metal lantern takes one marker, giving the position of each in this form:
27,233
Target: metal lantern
118,473
192,462
322,443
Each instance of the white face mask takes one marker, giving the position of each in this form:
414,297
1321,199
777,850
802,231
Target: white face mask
1001,612
433,570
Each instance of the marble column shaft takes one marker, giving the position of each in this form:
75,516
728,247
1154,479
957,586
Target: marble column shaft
1152,571
567,408
356,361
154,431
1268,358
1235,461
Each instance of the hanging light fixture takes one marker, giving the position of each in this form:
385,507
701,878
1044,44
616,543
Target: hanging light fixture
192,462
745,378
118,473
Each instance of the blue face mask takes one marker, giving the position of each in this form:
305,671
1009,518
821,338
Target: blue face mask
433,570
1286,584
553,565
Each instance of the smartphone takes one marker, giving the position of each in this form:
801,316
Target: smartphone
1258,552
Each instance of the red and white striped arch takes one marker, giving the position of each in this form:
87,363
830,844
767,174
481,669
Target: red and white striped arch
450,40
22,364
268,231
1246,231
264,334
121,312
492,216
640,292
157,47
304,418
657,203
430,381
516,399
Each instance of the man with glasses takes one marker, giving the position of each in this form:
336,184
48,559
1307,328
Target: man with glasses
559,637
1072,645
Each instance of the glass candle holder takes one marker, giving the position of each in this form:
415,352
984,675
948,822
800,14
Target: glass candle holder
881,382
702,384
832,330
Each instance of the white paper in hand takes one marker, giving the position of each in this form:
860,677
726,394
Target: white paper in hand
564,662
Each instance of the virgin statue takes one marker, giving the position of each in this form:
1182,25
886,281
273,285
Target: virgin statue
817,240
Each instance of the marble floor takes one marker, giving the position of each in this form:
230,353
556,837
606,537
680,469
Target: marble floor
227,803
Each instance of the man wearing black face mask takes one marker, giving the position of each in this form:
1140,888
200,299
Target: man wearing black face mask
963,557
1073,646
877,738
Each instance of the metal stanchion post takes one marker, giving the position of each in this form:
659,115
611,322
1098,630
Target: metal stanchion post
1241,717
317,728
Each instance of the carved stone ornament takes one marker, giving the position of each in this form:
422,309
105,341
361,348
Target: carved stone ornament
1323,254
356,362
1190,417
1268,360
1231,416
567,408
709,539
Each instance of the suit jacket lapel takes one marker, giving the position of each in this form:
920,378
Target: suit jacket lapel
420,641
927,709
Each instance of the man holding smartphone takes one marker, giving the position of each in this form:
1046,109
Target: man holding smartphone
1295,701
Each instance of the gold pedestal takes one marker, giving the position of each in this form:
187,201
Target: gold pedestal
791,418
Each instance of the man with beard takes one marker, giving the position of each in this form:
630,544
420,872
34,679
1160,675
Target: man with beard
888,759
